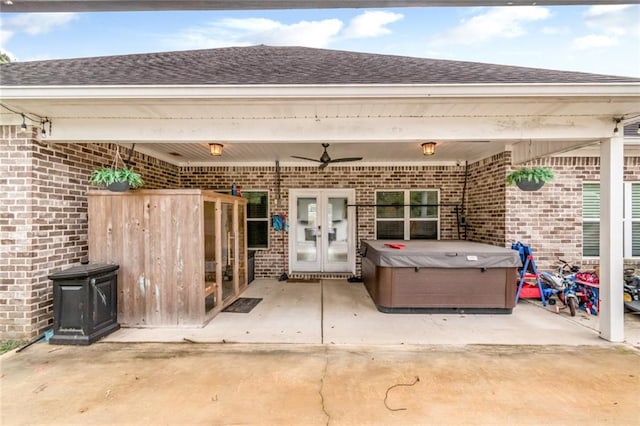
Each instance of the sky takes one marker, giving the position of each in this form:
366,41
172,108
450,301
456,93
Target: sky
595,39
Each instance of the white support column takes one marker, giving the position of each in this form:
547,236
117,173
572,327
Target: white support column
611,236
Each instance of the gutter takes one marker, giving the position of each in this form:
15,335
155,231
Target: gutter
406,91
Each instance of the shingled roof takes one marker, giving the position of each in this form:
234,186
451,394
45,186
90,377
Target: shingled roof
262,64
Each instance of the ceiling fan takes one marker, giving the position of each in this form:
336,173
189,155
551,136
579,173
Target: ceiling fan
325,160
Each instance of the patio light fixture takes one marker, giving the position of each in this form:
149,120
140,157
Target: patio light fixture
23,126
216,149
43,131
428,148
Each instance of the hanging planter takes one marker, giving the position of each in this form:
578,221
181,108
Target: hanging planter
530,179
122,186
118,178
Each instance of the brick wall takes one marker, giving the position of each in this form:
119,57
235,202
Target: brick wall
365,180
550,220
43,223
43,220
485,208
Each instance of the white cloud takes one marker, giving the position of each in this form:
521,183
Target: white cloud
5,35
555,30
371,24
610,26
243,32
605,10
493,23
594,41
618,20
251,31
38,23
32,24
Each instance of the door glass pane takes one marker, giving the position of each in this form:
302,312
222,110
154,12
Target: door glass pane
307,230
210,293
337,232
241,255
424,197
228,253
390,197
424,230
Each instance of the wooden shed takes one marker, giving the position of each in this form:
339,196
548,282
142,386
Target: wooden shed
182,253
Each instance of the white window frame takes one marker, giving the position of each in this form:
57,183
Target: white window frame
266,219
407,219
627,221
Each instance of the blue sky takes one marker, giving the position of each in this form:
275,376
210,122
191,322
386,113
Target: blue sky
597,39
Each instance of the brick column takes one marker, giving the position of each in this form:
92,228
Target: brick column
17,282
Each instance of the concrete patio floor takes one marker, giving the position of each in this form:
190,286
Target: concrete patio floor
251,384
342,313
338,361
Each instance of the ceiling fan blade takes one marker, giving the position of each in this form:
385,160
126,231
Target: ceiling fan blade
344,160
305,158
323,165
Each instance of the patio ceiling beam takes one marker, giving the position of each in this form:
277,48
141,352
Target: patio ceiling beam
524,151
310,130
153,5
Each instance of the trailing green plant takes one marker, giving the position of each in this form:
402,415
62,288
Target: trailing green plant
108,175
531,174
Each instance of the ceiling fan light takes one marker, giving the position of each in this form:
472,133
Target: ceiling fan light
216,149
428,148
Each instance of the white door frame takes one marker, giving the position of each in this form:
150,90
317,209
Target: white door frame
322,265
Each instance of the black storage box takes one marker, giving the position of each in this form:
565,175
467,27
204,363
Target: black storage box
85,304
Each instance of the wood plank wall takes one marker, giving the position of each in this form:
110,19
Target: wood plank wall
157,239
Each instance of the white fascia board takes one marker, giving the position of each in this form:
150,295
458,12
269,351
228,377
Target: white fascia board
322,91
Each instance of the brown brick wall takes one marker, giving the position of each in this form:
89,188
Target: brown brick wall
550,220
43,223
485,209
43,220
272,262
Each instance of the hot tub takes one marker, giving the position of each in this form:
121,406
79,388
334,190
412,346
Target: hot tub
440,276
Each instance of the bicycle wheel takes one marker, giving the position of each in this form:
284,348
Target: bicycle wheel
573,305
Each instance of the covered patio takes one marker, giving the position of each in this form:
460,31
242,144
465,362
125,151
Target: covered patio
335,312
490,117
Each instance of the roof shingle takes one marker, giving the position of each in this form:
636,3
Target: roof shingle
262,64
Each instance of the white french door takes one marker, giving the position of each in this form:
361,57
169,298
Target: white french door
321,230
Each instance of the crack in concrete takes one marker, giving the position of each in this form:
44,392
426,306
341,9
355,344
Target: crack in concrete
321,390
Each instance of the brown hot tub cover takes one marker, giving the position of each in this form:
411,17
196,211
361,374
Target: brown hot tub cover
440,254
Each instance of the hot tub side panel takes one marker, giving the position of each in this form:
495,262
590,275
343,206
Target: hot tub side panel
435,288
378,282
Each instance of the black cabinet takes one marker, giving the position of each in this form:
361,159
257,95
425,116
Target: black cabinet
85,303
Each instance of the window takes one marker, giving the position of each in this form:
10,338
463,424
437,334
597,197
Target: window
633,221
591,220
405,215
257,219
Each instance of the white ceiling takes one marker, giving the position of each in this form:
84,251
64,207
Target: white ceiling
372,153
